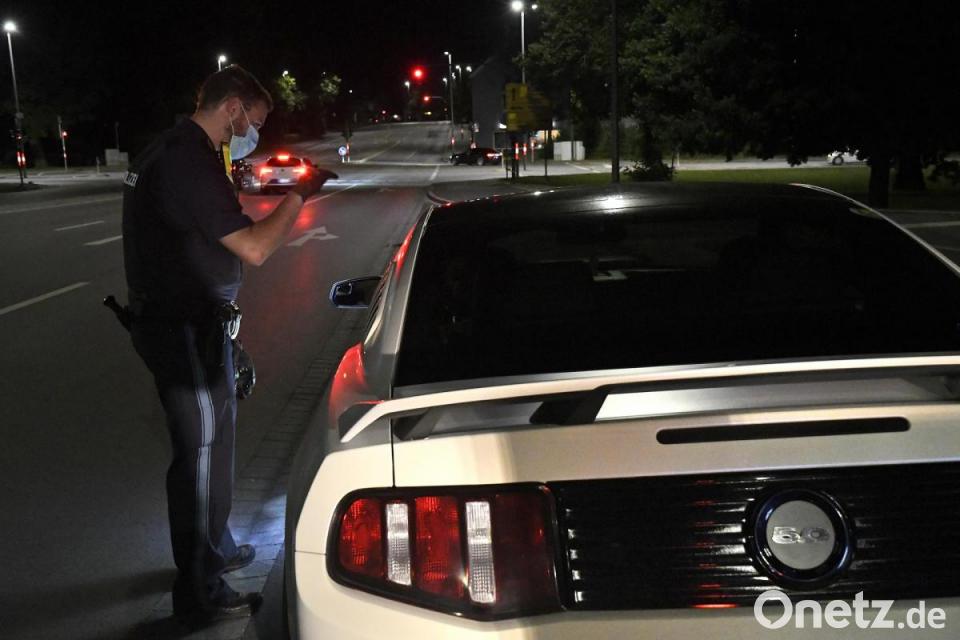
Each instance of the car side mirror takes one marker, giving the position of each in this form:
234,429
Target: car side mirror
356,293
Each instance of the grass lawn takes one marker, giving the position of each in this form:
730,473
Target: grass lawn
851,181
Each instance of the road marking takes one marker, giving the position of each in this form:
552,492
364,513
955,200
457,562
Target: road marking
41,298
79,226
931,225
362,160
433,176
320,233
71,203
330,195
582,168
941,248
104,241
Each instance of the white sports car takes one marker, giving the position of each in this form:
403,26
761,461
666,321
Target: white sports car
629,413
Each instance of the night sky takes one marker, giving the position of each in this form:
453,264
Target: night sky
140,62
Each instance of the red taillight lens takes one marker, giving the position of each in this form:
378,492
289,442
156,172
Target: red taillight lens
265,170
361,538
439,565
299,170
484,553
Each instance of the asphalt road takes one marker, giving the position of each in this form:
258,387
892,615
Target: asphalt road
85,550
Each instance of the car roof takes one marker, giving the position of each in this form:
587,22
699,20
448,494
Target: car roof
630,198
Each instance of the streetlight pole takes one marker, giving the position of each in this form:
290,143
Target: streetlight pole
11,28
520,7
450,84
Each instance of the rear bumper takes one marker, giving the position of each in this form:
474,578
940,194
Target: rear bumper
328,611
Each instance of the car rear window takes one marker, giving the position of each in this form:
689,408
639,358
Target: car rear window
501,295
278,162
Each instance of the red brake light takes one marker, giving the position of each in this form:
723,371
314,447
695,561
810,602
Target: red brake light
439,566
283,157
361,538
299,170
265,170
483,553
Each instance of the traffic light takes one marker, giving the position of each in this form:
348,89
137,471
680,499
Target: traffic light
418,74
426,98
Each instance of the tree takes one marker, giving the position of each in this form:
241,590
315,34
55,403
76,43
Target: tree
801,78
325,93
288,95
571,58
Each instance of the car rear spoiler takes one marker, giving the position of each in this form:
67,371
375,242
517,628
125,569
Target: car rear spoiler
578,400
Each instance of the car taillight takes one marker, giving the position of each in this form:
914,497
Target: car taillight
484,553
265,170
299,170
491,155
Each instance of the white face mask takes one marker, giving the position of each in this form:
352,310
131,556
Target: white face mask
242,146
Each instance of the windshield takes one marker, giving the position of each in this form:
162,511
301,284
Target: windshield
577,292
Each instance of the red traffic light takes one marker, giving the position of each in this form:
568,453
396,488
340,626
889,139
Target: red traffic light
426,98
418,73
64,134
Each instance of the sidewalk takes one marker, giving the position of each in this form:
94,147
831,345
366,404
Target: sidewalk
52,175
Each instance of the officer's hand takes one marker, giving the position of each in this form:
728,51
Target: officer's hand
313,181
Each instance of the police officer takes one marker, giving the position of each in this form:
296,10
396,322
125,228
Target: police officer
185,238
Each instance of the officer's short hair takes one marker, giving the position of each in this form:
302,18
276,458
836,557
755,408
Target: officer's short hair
229,82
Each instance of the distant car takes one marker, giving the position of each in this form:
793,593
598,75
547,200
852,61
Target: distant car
282,172
628,412
839,157
479,156
242,173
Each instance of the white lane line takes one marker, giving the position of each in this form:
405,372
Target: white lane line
329,195
362,160
57,205
433,176
941,248
931,225
41,298
79,226
104,241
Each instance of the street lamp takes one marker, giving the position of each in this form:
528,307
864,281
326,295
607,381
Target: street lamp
518,6
10,27
220,60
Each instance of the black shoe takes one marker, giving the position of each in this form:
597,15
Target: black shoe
229,604
245,556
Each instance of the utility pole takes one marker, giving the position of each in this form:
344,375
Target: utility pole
63,141
116,134
450,86
11,28
614,100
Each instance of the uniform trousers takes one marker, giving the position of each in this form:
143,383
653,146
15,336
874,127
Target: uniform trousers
198,395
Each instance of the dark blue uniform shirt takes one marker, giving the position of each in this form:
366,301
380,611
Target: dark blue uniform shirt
177,204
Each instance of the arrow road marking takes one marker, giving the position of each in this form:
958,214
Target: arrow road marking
319,233
41,298
104,241
79,226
